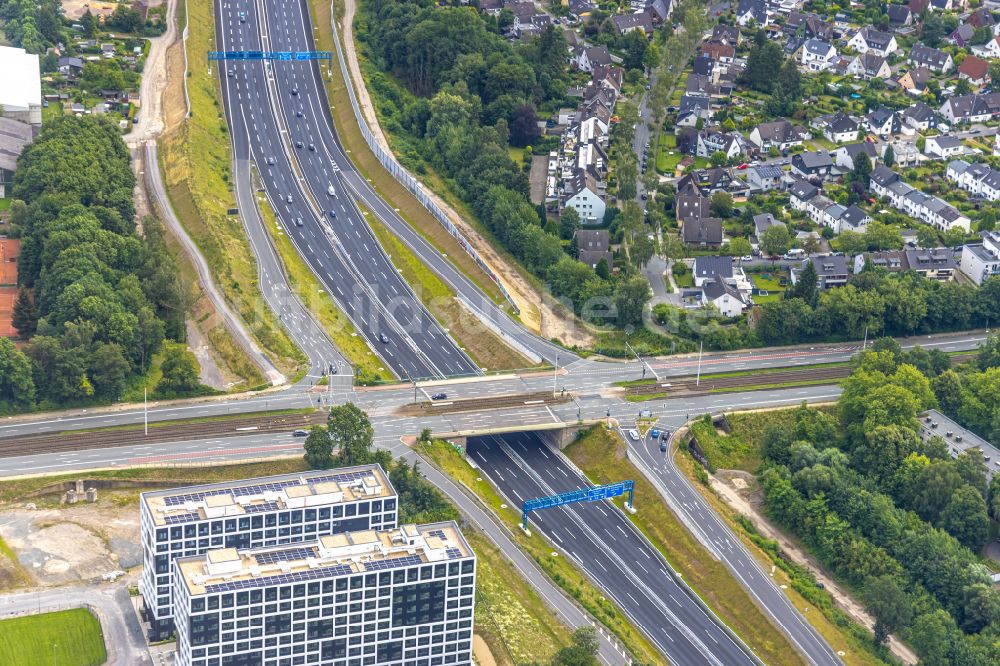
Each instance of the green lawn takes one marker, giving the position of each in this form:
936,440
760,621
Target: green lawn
684,281
64,638
4,204
769,284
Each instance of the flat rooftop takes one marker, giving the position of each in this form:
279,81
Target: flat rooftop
958,438
229,569
269,493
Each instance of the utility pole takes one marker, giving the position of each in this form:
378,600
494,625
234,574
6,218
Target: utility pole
145,413
555,373
864,345
700,351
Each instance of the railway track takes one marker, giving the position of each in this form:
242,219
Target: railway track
475,404
161,432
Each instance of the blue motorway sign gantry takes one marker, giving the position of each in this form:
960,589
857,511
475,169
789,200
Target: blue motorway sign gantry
270,55
593,494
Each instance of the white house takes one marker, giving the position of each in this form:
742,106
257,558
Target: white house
837,127
980,262
870,40
943,146
869,66
582,192
817,55
752,11
780,134
730,144
726,298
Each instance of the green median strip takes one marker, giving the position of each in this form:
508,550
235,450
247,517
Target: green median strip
780,385
307,287
558,568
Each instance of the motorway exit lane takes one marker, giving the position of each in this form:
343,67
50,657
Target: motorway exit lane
605,544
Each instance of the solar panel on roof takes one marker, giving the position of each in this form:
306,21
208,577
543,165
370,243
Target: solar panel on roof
280,579
287,555
437,533
261,488
394,563
453,553
258,508
181,518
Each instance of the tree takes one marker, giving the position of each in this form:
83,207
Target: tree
775,240
25,314
963,87
740,247
524,126
630,298
889,156
965,518
89,23
890,605
180,373
721,204
108,369
718,159
17,383
319,448
932,633
763,66
862,170
927,236
351,433
582,650
602,270
806,286
569,222
980,608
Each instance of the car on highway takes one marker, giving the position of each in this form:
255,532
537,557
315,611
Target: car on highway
633,434
654,433
298,222
300,433
298,114
269,160
295,91
288,199
329,190
439,396
312,147
663,446
383,338
243,17
333,215
232,73
298,144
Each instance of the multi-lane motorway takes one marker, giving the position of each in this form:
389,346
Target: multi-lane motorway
602,542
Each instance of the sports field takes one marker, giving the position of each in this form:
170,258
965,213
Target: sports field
63,638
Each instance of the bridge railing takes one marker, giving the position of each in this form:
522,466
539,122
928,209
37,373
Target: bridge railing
406,179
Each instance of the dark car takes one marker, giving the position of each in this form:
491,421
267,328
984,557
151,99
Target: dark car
439,396
333,215
663,446
298,114
383,338
312,147
300,433
298,144
295,91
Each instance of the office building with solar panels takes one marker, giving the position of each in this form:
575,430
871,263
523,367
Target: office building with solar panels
254,513
389,597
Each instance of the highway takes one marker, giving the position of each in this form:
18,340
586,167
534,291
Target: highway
605,544
352,267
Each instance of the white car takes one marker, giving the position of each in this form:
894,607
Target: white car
633,435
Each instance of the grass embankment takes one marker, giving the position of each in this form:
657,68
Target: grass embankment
849,639
12,575
510,616
369,366
350,135
65,638
602,458
775,386
487,349
196,162
558,568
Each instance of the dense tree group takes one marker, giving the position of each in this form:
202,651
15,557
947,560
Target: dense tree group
104,298
32,25
894,515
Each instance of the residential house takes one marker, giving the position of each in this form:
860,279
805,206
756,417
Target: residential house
592,258
818,55
690,206
906,152
725,34
801,193
581,9
702,232
990,49
583,193
812,164
70,67
933,264
920,117
982,261
659,11
726,298
853,218
831,271
972,108
943,146
626,23
752,11
893,261
900,16
885,182
731,144
780,134
765,177
692,108
933,59
980,18
978,178
915,80
595,240
845,155
719,52
762,223
716,179
837,127
593,56
707,268
705,66
882,122
870,40
962,35
869,66
808,26
975,70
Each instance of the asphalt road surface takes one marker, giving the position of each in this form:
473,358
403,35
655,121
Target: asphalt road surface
351,266
599,539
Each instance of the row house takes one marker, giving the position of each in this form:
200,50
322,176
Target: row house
981,261
904,197
977,178
807,198
972,108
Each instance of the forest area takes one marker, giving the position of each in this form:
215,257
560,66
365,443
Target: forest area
98,301
894,516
